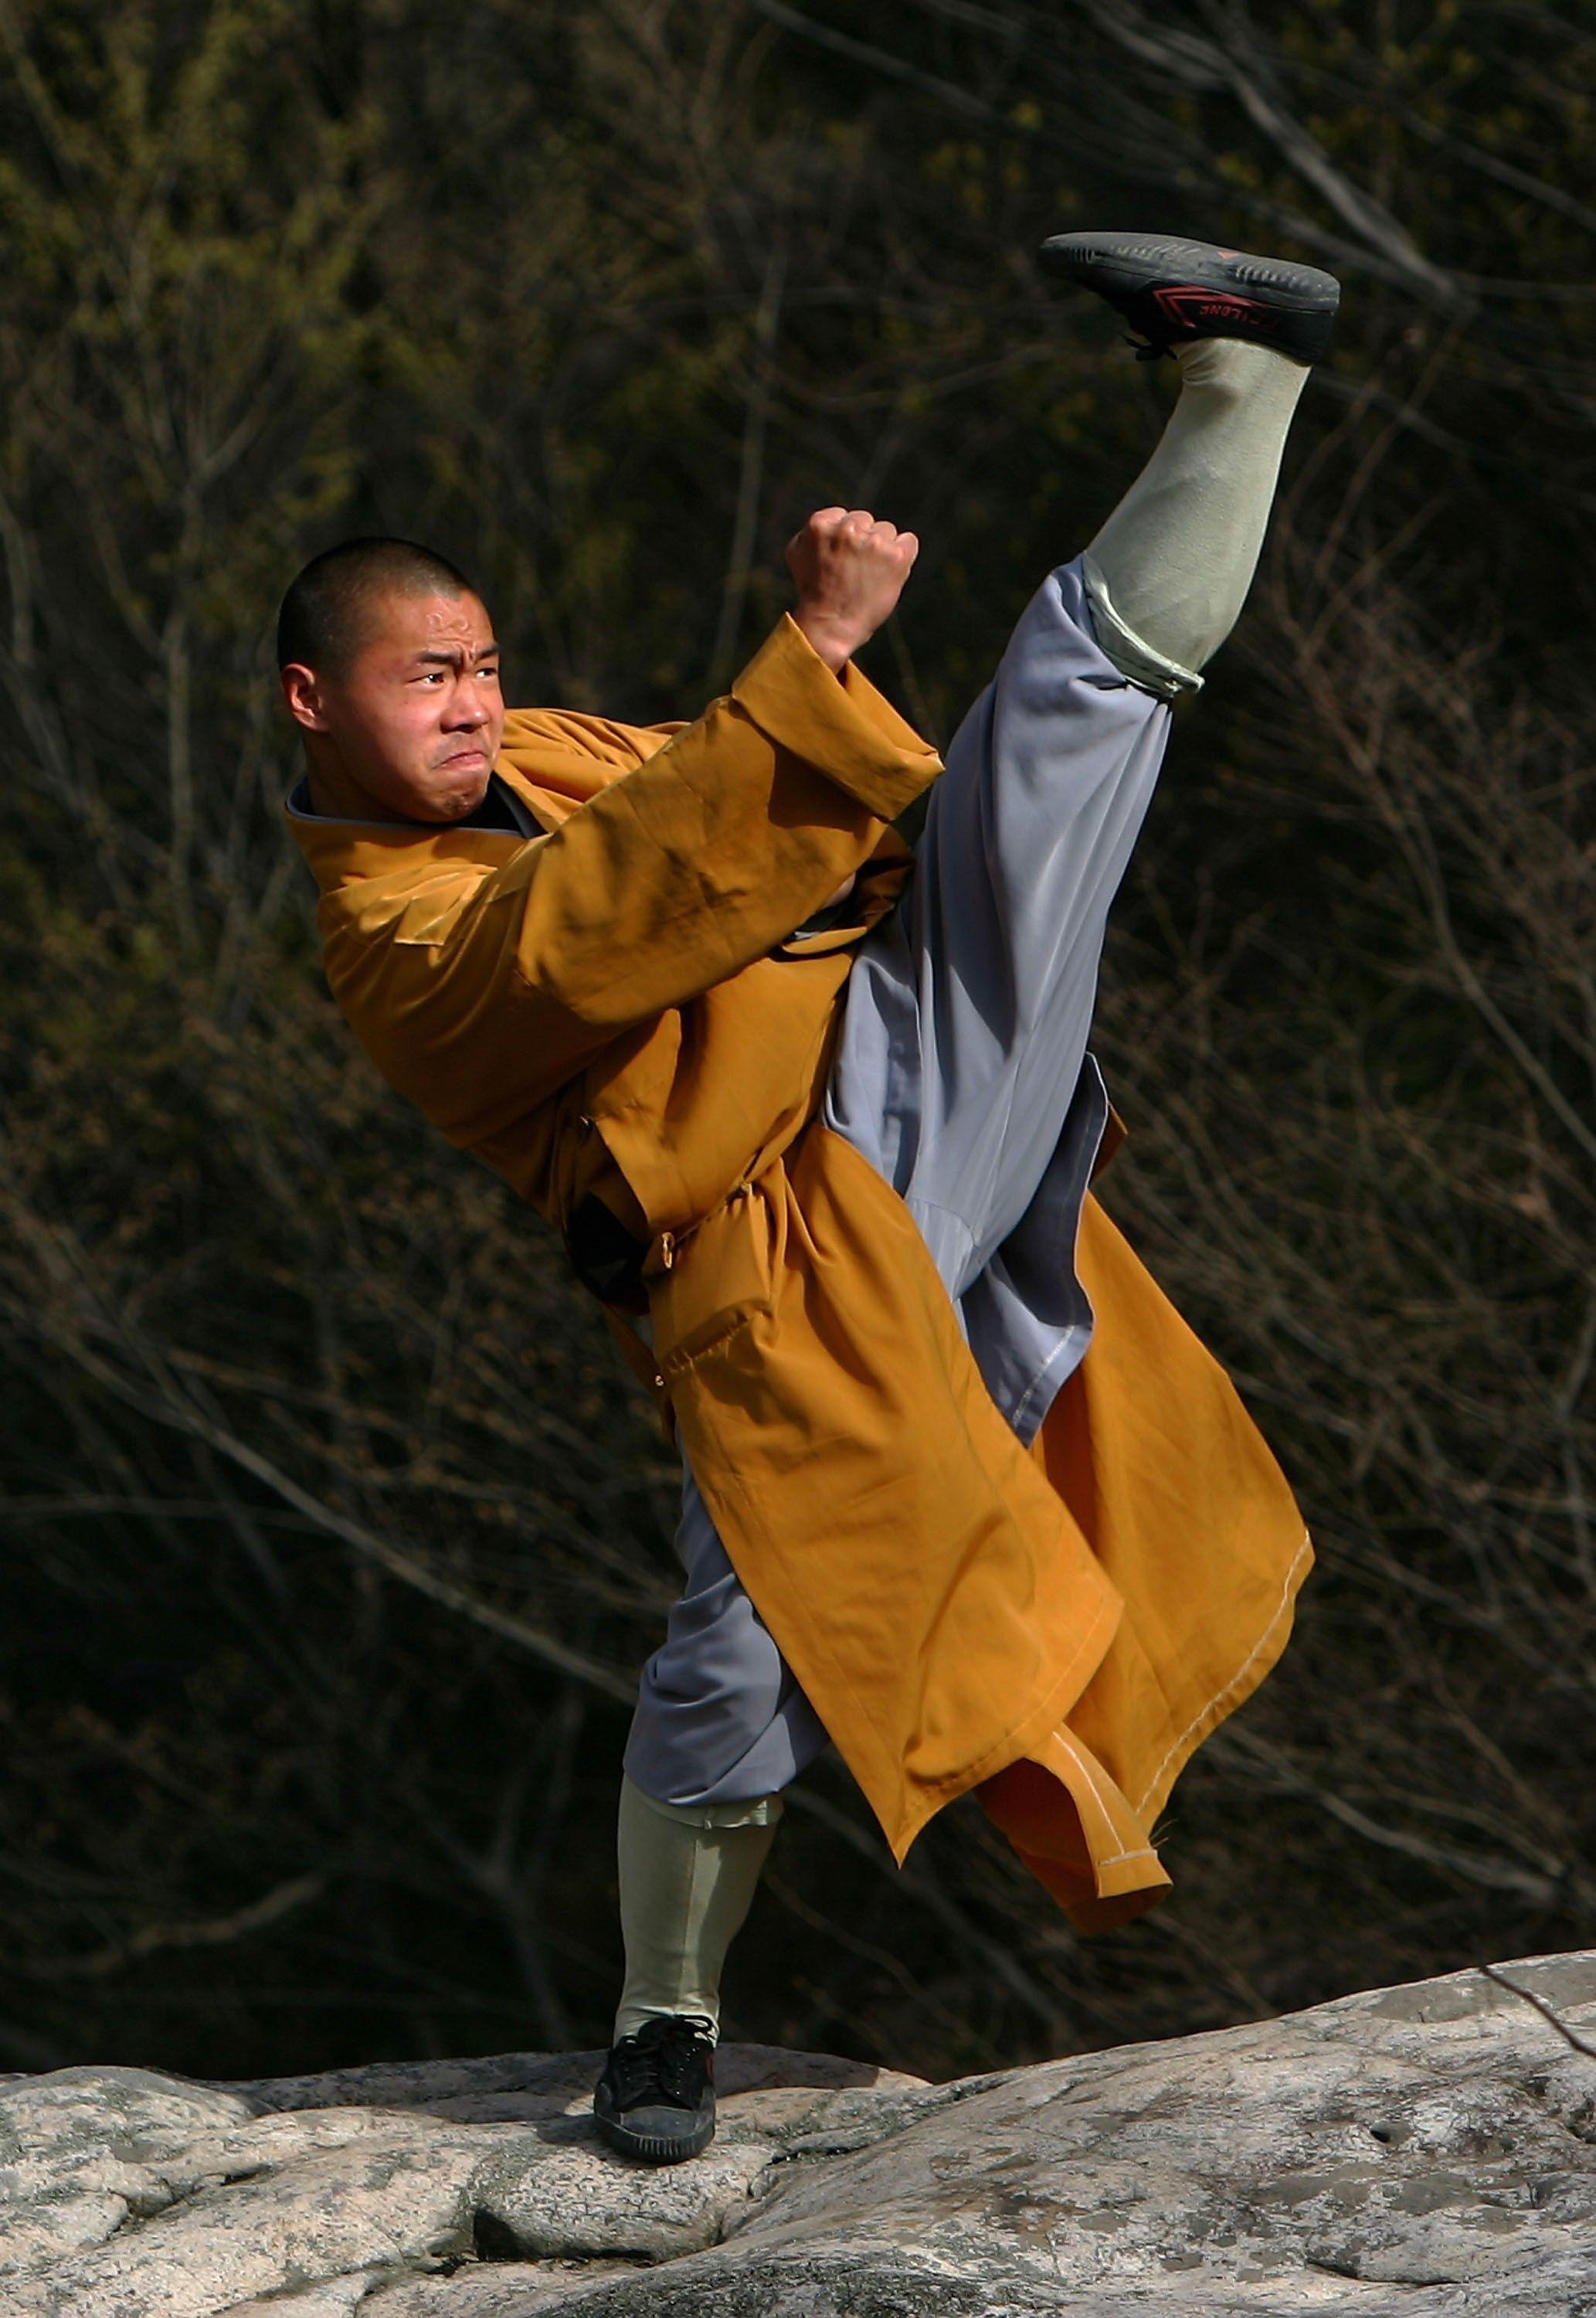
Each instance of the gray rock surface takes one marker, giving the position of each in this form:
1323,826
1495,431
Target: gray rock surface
1428,2151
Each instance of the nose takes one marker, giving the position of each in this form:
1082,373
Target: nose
466,711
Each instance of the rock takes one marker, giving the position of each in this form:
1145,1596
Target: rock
1428,2149
82,2151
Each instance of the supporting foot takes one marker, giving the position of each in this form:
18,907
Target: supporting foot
1173,291
656,2099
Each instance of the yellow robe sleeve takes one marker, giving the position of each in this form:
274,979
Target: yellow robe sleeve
479,991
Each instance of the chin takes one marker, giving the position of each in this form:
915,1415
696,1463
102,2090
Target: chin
454,803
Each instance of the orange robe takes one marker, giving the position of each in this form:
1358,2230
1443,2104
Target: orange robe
613,1008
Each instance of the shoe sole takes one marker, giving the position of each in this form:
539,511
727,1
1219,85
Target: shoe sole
652,2148
1133,262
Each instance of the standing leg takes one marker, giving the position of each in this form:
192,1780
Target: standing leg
720,1727
687,1877
688,1873
720,1719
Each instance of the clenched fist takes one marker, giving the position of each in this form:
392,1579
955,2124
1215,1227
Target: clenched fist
850,571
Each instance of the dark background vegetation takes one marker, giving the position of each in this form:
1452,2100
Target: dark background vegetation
333,1534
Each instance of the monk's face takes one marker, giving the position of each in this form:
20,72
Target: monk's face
412,723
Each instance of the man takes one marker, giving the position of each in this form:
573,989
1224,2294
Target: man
961,1492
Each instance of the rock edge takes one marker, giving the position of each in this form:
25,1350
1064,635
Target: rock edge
1430,2150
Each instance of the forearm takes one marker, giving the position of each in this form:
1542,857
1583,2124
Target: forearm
709,854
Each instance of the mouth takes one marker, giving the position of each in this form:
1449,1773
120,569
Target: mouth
465,761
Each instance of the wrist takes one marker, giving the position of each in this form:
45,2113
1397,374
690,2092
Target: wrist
835,640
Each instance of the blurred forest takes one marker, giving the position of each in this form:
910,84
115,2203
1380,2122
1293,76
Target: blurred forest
333,1532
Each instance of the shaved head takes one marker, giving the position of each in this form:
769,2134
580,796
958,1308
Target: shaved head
389,668
327,613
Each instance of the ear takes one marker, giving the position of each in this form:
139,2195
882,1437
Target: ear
303,694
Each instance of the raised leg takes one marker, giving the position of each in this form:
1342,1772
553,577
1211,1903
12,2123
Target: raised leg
1169,572
959,1074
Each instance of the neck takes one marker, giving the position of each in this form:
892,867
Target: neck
335,795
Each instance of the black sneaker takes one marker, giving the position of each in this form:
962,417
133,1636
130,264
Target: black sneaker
656,2098
1175,291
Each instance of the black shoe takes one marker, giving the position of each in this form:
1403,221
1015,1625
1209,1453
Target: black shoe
1175,291
656,2098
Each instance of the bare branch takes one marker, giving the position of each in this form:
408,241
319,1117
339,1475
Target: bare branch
1540,2004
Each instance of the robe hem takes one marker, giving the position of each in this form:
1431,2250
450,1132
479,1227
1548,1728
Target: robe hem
935,1795
1253,1671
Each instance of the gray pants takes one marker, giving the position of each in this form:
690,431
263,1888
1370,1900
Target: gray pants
962,1075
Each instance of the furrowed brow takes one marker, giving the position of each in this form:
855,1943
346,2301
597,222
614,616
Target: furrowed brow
452,659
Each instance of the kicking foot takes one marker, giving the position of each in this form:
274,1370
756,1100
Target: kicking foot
656,2099
1174,292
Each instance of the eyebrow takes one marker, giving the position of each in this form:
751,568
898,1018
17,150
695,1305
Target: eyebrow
448,659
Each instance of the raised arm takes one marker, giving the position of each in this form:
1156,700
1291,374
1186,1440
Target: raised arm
479,996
